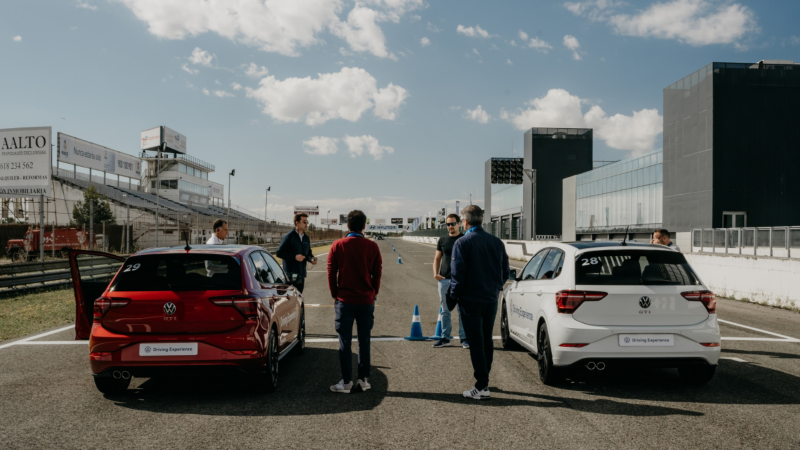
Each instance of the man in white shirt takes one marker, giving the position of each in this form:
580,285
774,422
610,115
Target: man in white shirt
220,233
218,238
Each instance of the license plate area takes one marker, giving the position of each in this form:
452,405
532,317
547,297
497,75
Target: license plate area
170,349
646,340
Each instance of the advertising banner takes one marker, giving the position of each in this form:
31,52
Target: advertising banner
25,162
217,190
376,228
310,210
154,137
397,221
343,219
329,221
380,221
82,153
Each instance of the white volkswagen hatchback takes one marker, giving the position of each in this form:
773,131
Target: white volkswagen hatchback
603,304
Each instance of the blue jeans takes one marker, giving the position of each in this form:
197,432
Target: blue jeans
447,325
478,319
363,316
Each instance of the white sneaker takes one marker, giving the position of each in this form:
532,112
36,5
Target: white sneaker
476,394
363,384
341,387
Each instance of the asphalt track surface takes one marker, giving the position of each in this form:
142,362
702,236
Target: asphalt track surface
48,399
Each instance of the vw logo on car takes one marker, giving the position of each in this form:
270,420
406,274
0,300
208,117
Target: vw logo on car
644,302
169,308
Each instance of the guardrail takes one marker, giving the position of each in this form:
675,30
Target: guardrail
779,242
36,275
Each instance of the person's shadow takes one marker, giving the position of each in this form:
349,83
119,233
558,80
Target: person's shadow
303,389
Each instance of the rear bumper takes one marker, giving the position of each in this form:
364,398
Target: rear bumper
604,342
666,363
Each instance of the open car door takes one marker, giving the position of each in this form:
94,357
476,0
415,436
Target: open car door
91,274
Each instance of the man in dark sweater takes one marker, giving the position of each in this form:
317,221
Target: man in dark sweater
354,278
294,250
441,273
478,271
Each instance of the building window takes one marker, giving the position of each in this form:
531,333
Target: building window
737,219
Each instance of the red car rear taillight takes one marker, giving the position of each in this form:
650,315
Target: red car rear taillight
103,304
568,301
706,297
246,304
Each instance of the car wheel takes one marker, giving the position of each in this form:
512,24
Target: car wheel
269,379
505,331
697,374
109,385
548,373
301,335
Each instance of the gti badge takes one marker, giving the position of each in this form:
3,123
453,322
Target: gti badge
644,302
169,308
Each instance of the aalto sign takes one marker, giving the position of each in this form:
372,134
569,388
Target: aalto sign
25,162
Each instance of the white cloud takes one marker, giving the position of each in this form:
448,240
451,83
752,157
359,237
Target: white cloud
523,35
236,86
559,109
254,71
571,42
186,67
17,38
321,145
535,43
217,82
475,31
357,144
205,91
478,115
433,28
86,5
508,61
693,22
424,42
475,51
201,57
346,94
281,26
791,40
223,94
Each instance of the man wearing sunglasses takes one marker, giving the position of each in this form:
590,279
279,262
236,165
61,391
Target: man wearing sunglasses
441,272
295,250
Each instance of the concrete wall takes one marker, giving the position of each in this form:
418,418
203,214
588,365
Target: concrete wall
569,207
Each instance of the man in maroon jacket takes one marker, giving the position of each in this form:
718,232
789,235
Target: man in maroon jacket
354,277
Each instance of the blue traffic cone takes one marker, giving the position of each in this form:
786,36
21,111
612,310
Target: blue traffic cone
438,334
399,259
394,249
416,327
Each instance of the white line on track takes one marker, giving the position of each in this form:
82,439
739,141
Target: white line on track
731,358
54,343
783,338
36,337
386,339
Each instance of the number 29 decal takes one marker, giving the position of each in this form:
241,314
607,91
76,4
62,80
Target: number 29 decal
132,267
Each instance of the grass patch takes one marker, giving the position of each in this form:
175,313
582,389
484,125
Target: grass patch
28,313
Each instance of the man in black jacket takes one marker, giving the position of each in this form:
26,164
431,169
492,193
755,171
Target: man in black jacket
478,270
294,250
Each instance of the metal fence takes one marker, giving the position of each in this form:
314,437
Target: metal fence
781,242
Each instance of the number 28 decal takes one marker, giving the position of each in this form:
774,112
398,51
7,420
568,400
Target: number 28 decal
590,261
132,267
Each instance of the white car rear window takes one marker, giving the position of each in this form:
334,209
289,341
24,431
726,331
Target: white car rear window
633,267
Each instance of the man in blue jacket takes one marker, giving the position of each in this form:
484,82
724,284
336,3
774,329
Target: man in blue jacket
294,250
478,270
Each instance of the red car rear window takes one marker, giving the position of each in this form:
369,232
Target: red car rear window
179,273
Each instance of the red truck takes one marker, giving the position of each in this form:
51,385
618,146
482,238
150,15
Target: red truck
65,239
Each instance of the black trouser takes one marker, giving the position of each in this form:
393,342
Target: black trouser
478,320
363,316
300,285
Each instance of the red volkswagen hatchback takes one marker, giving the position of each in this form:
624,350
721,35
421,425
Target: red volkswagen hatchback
220,307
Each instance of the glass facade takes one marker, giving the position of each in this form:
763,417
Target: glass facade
506,199
192,171
191,187
621,194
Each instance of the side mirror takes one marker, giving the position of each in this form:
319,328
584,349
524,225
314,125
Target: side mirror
513,275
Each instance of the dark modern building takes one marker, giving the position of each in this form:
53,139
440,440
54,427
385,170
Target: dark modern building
551,154
731,149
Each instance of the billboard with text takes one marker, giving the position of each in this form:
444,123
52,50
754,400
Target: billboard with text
25,162
72,150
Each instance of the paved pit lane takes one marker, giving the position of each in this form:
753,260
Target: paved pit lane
48,399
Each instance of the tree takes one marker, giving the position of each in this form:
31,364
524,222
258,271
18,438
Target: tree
102,209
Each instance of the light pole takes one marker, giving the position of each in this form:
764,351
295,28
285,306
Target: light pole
266,201
158,183
327,219
233,173
127,222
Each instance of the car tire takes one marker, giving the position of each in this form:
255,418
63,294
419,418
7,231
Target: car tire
697,374
109,385
300,348
505,331
268,380
548,373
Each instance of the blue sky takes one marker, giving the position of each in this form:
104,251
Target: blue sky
390,106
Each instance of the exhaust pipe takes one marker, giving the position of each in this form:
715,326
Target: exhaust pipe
591,366
600,366
117,374
127,376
